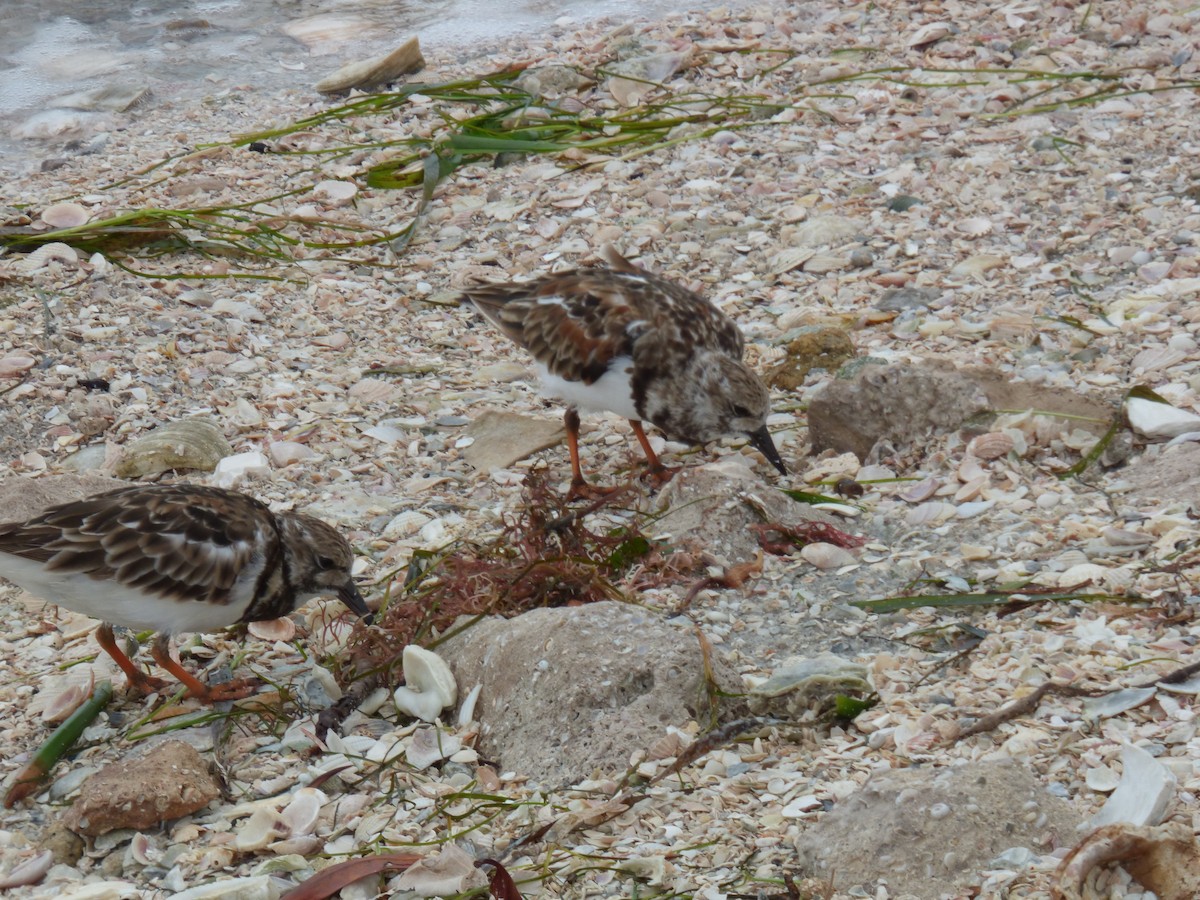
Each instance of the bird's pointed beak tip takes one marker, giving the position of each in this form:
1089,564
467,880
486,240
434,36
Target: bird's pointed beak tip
349,595
762,442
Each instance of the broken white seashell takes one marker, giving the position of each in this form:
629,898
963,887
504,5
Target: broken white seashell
1159,420
281,629
976,226
1102,778
335,193
233,470
466,712
263,827
430,745
1145,791
302,813
429,685
927,34
1115,703
69,700
29,872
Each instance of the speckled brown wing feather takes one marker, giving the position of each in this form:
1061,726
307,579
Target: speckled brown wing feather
158,539
576,323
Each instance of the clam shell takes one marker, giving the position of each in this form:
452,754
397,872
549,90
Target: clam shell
281,629
827,556
187,444
31,871
16,365
922,490
376,71
65,215
992,445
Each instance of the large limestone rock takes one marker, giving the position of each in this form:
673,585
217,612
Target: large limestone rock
572,690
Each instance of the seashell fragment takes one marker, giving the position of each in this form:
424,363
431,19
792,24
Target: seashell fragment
233,470
335,193
29,872
195,444
374,72
1144,793
263,827
992,445
976,226
429,685
281,629
65,215
1159,420
929,33
302,813
429,746
1116,702
794,685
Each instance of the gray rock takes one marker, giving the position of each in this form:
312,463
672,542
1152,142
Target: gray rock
899,299
927,832
715,508
898,403
872,402
573,690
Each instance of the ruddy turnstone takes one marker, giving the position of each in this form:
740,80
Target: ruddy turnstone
176,558
626,340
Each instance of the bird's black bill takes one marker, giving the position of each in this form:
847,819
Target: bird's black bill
349,595
761,441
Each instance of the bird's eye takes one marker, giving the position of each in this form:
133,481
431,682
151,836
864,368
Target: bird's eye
741,412
324,562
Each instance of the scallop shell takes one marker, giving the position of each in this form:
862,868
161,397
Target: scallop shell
281,629
65,215
992,445
187,444
335,193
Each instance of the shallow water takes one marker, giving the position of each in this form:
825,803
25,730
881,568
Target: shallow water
68,68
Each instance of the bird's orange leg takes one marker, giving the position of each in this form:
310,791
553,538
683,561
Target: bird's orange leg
231,690
139,681
659,474
580,489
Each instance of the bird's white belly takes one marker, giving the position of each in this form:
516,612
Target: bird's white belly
110,602
612,391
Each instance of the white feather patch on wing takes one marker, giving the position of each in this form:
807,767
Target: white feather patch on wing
611,392
111,602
